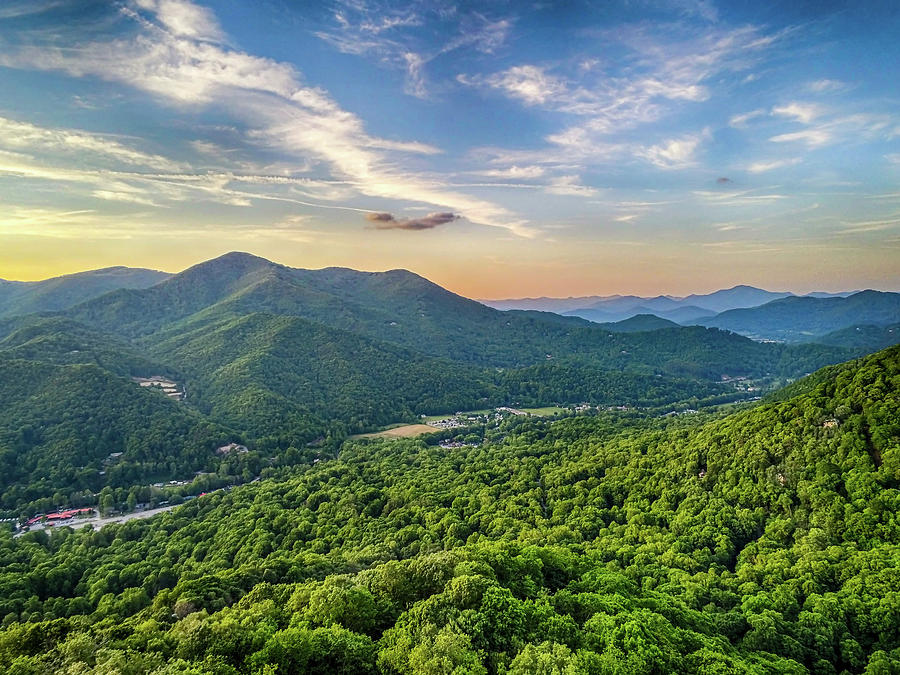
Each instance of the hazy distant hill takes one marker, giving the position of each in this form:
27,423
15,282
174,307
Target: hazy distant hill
640,322
21,297
732,298
804,319
686,315
556,305
686,310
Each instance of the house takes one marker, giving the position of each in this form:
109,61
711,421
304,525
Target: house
232,447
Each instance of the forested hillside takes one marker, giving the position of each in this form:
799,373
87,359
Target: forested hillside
865,337
19,297
807,319
762,542
69,430
58,340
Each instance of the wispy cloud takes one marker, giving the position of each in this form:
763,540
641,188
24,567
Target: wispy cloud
175,57
514,172
677,153
846,128
860,227
762,167
185,19
570,185
15,9
58,223
801,112
740,121
661,70
375,29
813,138
27,136
530,84
660,74
826,85
415,77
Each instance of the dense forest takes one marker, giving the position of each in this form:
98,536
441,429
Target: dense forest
765,541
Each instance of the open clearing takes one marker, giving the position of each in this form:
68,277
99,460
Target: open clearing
406,431
545,412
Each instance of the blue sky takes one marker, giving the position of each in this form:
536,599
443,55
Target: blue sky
501,149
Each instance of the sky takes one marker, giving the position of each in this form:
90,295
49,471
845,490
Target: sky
500,149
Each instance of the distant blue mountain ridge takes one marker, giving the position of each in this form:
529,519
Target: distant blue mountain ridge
749,311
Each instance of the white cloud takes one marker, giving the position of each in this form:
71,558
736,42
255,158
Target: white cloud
822,86
762,167
479,32
27,136
174,60
677,153
127,197
529,84
570,186
848,128
415,78
184,19
515,172
740,121
860,227
657,75
738,197
375,30
802,112
813,138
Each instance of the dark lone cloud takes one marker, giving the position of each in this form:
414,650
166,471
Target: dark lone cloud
386,221
723,180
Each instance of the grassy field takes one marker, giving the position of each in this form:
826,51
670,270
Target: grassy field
544,412
404,431
410,430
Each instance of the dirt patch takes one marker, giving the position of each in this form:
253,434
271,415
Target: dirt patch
407,431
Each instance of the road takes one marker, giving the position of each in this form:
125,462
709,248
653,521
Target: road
97,521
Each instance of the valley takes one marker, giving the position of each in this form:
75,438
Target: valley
377,465
370,337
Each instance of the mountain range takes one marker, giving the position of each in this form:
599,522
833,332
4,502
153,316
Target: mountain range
750,311
281,358
805,318
684,309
